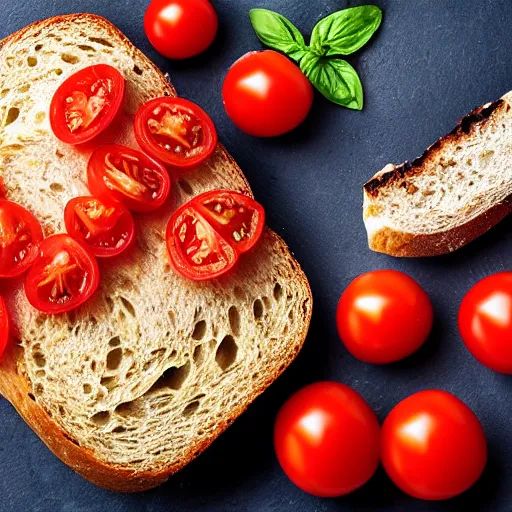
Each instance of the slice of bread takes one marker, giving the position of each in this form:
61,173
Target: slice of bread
133,385
456,191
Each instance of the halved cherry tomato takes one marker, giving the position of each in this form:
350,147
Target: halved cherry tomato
176,131
86,103
180,29
384,316
485,321
206,235
63,277
433,446
106,228
20,235
4,326
128,176
327,439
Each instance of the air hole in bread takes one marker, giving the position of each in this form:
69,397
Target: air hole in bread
199,353
32,62
62,411
226,353
266,302
38,47
39,117
4,92
191,408
137,70
278,291
101,418
56,187
102,41
87,389
109,382
12,114
58,154
39,389
119,430
93,366
255,376
24,88
70,59
114,358
128,409
86,48
40,373
291,315
257,309
185,186
115,341
172,378
58,71
199,330
39,359
234,320
128,306
32,397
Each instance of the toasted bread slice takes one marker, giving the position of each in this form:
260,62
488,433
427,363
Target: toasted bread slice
136,383
456,191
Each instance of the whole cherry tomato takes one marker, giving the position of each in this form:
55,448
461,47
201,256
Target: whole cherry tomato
485,321
180,29
265,94
327,439
86,103
433,446
384,316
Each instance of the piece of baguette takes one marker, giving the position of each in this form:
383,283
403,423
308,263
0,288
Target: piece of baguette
136,383
456,191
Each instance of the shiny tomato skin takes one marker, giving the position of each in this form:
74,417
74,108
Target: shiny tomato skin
20,236
433,446
4,327
265,94
180,29
63,277
139,192
327,439
485,322
79,121
384,316
150,144
106,228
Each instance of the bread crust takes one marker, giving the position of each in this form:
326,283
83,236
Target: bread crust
412,245
15,387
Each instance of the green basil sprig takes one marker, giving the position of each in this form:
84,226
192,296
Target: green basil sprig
340,33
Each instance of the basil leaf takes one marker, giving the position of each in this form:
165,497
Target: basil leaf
336,79
346,31
276,31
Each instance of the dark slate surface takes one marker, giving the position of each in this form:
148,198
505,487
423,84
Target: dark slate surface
431,62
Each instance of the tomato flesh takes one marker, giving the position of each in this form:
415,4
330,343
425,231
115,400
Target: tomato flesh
433,446
20,235
485,322
206,235
265,94
107,229
180,29
128,176
384,316
4,326
326,439
86,103
175,131
63,277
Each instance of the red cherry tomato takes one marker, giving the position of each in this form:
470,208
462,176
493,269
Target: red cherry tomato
433,446
86,103
265,94
206,235
105,228
63,277
384,316
176,131
180,29
128,176
327,439
485,321
20,235
4,326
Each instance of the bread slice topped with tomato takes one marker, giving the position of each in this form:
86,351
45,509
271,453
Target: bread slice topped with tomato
148,305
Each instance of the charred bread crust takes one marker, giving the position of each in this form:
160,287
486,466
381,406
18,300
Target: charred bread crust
397,176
